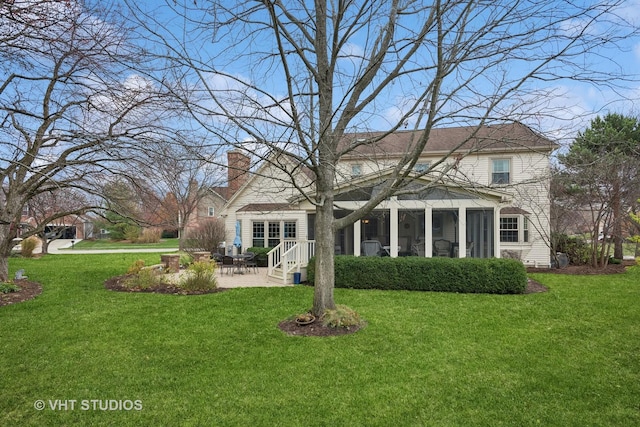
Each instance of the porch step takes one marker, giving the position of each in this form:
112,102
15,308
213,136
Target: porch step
276,275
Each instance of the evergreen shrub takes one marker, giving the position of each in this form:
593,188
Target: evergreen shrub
261,255
464,275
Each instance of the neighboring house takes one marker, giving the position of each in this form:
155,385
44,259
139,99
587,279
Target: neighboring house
493,202
67,227
210,206
213,204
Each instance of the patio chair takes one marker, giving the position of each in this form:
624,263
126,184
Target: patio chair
442,248
251,262
371,248
467,252
217,258
228,264
469,249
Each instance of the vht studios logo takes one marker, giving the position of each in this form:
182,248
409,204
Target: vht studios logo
88,405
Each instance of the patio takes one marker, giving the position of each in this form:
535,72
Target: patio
246,280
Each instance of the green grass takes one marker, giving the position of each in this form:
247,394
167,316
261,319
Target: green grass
568,357
109,244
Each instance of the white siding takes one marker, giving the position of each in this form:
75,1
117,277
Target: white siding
528,187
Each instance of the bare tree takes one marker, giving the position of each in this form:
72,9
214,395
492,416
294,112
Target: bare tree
297,77
67,112
171,180
59,209
207,235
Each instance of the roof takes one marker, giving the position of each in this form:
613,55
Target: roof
365,183
265,207
510,136
513,210
222,192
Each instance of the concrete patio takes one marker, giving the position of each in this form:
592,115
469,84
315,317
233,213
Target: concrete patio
247,280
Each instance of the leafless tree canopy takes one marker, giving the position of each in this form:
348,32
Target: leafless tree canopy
70,105
299,76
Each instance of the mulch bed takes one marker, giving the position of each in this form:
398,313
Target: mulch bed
584,269
28,290
118,284
315,329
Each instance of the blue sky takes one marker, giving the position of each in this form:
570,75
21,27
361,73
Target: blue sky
565,106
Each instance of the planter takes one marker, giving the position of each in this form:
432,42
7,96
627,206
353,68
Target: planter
306,319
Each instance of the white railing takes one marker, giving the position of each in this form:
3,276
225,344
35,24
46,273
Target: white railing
289,257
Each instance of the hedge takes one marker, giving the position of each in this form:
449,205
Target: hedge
464,275
262,255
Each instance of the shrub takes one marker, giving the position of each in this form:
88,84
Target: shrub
28,245
149,235
131,232
185,259
136,267
207,235
578,250
146,278
201,276
469,275
261,255
7,288
341,317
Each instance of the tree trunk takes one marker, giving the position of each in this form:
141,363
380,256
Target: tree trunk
617,222
324,268
7,235
4,268
44,244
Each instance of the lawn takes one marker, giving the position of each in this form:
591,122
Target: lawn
110,244
568,357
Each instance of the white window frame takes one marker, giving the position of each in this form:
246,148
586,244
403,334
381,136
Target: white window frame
287,230
522,229
283,227
211,211
356,169
258,234
493,172
513,220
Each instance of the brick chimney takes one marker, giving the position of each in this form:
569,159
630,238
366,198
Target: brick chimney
238,166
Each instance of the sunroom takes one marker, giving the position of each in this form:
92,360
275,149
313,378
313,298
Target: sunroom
446,221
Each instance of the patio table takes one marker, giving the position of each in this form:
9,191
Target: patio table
239,260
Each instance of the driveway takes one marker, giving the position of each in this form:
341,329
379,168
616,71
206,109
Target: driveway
55,247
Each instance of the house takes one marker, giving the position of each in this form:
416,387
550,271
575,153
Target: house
67,227
487,198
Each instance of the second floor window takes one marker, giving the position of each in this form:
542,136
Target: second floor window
211,211
356,170
500,171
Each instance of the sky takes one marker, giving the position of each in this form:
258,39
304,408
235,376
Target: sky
566,106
